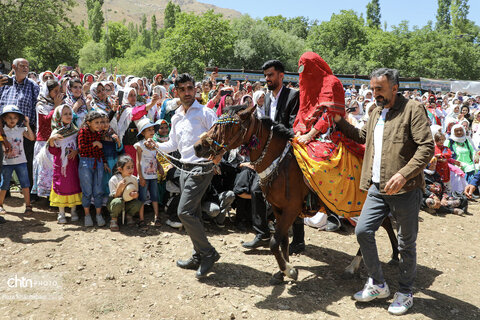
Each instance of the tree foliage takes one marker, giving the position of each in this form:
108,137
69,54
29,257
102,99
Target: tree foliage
39,31
373,14
95,19
443,14
171,11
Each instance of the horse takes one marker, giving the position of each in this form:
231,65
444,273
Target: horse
281,179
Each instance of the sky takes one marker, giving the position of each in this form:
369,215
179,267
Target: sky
417,12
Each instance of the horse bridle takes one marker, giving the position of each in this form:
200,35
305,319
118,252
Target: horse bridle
241,134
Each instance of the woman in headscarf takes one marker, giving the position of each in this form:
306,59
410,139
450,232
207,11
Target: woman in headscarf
354,116
465,113
247,99
48,98
62,144
476,129
100,102
330,162
225,102
45,76
76,101
259,100
462,150
123,122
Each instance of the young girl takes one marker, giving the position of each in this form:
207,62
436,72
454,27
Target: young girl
147,168
123,123
444,157
14,159
117,184
49,98
162,136
66,191
91,167
112,146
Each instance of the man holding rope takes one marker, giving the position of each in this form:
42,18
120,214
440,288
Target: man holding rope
191,120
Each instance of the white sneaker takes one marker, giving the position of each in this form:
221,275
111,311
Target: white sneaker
372,291
61,218
401,303
100,220
174,224
74,216
88,221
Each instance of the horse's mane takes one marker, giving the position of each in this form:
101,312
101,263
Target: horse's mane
278,129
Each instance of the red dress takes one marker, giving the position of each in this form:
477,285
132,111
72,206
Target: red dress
442,166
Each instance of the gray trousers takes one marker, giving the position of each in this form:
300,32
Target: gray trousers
190,207
405,208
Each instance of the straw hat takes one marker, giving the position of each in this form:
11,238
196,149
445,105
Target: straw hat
131,185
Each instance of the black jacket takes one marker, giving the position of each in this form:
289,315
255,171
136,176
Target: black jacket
287,106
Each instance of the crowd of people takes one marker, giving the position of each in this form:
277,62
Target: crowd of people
120,142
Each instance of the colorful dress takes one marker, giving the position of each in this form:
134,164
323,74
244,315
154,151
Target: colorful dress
66,191
331,163
42,175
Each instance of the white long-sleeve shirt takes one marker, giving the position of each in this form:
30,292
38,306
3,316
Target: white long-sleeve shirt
186,130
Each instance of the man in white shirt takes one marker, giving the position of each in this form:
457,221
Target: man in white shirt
190,120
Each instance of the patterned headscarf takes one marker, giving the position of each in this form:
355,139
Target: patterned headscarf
97,104
57,124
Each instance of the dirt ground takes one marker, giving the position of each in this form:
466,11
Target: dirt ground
92,273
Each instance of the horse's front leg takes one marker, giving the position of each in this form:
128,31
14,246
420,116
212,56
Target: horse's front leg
280,238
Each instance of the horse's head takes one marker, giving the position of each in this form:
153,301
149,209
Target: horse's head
230,131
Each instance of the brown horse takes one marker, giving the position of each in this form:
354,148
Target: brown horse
281,178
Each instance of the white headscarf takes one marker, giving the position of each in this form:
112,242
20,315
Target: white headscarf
461,139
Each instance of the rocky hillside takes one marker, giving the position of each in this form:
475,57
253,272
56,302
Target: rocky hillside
132,11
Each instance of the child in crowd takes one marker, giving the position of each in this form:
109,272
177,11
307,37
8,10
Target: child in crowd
112,146
91,167
66,191
162,136
147,168
49,98
444,157
462,150
14,159
117,184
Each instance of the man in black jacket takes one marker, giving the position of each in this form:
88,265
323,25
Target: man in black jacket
281,105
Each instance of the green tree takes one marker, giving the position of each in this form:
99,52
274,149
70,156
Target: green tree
96,20
118,41
340,41
197,41
443,14
171,11
92,56
39,31
154,33
298,26
255,43
459,10
373,14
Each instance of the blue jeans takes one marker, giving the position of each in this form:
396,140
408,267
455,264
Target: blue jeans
152,186
22,174
91,181
404,207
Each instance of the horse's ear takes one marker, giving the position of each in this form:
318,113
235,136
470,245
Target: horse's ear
246,113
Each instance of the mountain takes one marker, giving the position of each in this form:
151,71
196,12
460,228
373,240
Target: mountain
132,11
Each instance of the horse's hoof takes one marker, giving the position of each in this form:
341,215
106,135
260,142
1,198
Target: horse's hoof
347,275
293,273
393,262
277,278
